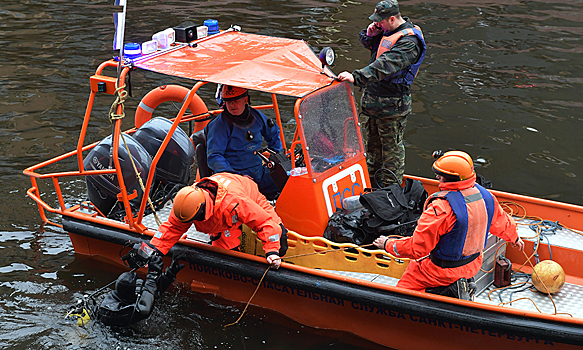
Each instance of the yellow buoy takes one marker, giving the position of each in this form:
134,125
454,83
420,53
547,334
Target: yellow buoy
550,274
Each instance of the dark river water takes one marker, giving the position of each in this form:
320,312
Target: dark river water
502,80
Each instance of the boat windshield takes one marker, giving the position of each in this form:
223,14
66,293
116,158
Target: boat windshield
329,121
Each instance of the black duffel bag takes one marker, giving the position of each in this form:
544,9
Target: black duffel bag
393,210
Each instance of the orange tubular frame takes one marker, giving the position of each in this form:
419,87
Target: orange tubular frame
34,192
133,223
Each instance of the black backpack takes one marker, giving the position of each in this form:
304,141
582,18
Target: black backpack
393,210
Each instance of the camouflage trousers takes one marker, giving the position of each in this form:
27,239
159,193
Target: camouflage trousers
385,128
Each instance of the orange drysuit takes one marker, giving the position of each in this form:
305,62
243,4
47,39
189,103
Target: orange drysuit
231,200
437,220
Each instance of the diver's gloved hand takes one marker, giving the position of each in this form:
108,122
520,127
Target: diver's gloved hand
139,255
174,267
170,274
155,266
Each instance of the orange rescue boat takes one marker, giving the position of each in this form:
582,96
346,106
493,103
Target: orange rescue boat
321,283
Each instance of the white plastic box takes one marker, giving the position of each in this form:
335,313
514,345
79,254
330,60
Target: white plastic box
165,38
149,47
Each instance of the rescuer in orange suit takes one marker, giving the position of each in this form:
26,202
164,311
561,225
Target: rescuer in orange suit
451,233
218,205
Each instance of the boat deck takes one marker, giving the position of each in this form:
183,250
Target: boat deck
523,296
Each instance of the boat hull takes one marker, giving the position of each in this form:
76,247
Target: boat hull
396,318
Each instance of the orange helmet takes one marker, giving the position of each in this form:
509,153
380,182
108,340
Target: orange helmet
187,203
454,166
232,93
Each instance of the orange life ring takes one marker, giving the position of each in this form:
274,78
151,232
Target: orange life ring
167,93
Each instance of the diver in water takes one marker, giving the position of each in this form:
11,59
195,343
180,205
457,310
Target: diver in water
133,298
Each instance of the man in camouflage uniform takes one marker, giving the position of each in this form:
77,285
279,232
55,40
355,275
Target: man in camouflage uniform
397,50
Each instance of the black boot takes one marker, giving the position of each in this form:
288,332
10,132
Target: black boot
462,289
472,287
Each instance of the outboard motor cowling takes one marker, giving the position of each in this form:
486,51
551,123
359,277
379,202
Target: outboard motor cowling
175,164
103,189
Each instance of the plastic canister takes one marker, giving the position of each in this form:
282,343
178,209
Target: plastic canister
212,25
149,47
132,50
350,203
165,38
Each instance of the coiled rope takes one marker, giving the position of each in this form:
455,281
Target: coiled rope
121,96
542,228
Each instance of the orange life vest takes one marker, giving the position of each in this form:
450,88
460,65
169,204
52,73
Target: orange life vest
474,210
388,41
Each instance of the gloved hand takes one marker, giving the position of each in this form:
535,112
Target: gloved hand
139,255
170,274
155,266
174,267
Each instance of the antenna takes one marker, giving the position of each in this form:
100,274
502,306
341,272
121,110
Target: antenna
119,20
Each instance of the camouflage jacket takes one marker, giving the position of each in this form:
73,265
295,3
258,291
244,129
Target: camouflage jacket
404,53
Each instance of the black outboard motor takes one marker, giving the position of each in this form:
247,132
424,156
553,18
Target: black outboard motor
176,162
103,189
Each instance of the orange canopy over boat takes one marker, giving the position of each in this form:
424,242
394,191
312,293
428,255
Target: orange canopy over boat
274,65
